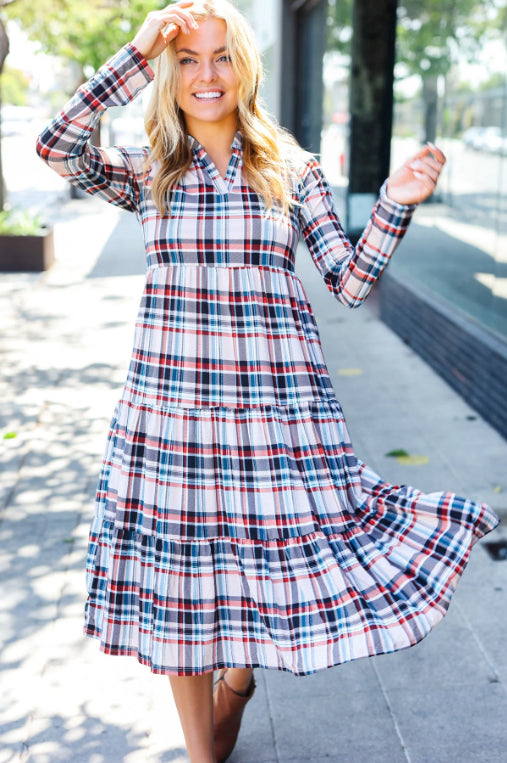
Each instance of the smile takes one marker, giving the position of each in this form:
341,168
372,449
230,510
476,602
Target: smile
209,96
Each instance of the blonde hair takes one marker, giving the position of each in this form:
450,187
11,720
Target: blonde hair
269,152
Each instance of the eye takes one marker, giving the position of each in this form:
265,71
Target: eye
187,61
225,59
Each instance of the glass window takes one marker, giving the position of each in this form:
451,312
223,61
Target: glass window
335,121
451,87
264,17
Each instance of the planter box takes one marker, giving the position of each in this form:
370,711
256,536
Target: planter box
26,253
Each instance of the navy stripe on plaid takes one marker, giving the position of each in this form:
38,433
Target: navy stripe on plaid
234,524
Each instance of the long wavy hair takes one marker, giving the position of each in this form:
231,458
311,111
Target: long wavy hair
269,152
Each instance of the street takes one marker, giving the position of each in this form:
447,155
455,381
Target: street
473,182
29,183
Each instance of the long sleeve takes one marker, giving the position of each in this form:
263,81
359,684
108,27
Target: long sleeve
64,144
349,272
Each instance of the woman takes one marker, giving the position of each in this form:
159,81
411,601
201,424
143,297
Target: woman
234,526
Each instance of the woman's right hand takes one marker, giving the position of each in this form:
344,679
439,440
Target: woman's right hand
160,27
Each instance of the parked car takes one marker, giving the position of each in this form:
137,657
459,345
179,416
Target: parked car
471,136
492,140
17,120
128,131
488,139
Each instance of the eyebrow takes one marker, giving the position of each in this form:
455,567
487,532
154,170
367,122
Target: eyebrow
194,53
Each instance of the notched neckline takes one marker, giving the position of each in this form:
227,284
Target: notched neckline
201,157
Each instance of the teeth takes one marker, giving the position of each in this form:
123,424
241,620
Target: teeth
207,96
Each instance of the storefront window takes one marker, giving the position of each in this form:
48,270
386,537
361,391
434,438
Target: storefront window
451,87
264,16
335,118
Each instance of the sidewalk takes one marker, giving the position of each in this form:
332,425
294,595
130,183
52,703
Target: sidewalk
65,349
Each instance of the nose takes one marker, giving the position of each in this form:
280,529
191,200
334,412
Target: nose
208,72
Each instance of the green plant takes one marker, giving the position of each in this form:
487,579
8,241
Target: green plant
17,222
15,86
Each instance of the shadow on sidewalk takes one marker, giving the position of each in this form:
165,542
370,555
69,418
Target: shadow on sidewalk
80,739
123,253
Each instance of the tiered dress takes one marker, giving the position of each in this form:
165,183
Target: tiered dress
234,525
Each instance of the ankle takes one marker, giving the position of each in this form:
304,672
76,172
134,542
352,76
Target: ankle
200,757
239,679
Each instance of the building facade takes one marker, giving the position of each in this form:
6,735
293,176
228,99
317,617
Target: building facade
446,293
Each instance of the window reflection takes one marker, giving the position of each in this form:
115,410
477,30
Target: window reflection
462,98
451,87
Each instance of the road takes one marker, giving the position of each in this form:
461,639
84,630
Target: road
30,184
473,182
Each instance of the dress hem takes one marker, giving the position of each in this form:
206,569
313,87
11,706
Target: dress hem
91,633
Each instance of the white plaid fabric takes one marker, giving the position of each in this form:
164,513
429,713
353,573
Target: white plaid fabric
234,525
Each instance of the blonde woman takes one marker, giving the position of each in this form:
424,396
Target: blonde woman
234,526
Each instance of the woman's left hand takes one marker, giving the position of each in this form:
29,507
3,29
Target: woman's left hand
416,180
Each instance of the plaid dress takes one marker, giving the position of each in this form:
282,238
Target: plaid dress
233,524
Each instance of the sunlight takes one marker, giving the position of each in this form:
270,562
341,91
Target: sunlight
497,286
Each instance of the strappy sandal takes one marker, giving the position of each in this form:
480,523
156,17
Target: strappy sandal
228,707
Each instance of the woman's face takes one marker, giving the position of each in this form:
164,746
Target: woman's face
208,91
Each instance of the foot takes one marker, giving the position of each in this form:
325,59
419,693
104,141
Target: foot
228,707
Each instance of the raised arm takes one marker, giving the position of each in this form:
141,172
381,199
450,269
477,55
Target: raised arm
64,144
115,174
348,271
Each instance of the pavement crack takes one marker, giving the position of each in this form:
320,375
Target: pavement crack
494,677
392,714
271,720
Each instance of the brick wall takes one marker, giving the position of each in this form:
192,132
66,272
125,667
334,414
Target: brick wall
469,357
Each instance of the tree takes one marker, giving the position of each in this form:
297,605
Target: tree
87,33
4,44
431,36
15,85
4,50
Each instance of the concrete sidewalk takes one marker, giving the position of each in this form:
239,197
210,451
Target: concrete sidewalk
65,349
